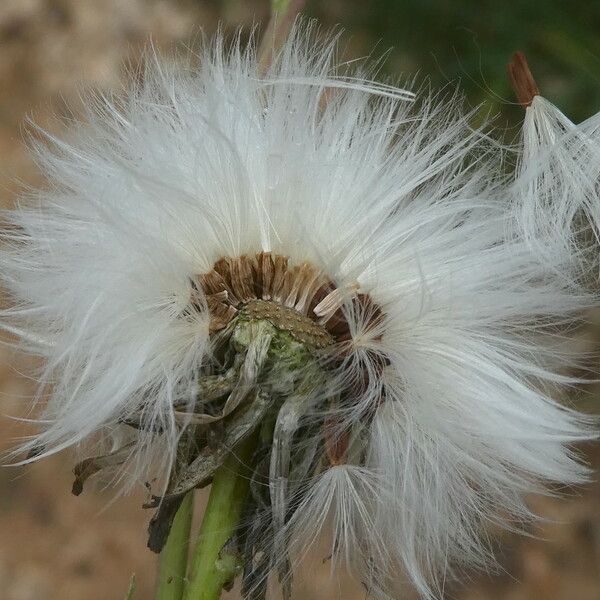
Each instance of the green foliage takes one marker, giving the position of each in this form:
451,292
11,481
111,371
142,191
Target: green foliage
447,41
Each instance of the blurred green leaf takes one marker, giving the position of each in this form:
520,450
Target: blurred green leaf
131,589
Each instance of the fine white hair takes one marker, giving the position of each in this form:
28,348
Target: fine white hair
480,275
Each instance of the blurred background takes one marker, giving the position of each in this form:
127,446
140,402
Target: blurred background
54,546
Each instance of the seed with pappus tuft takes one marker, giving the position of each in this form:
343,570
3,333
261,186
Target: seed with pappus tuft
332,279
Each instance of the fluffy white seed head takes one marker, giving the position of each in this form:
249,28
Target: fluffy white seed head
479,277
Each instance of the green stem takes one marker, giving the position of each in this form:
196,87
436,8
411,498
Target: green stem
213,565
174,556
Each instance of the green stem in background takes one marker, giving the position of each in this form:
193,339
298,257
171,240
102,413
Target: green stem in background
279,5
283,13
174,556
213,564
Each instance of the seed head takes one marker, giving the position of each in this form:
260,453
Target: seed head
337,266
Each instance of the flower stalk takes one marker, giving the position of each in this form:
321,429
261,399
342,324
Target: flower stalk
215,562
174,556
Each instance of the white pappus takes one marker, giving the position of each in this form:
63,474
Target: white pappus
434,291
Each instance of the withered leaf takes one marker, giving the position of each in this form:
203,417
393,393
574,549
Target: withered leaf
239,425
89,466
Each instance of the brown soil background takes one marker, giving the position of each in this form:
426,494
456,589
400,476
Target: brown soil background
54,546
